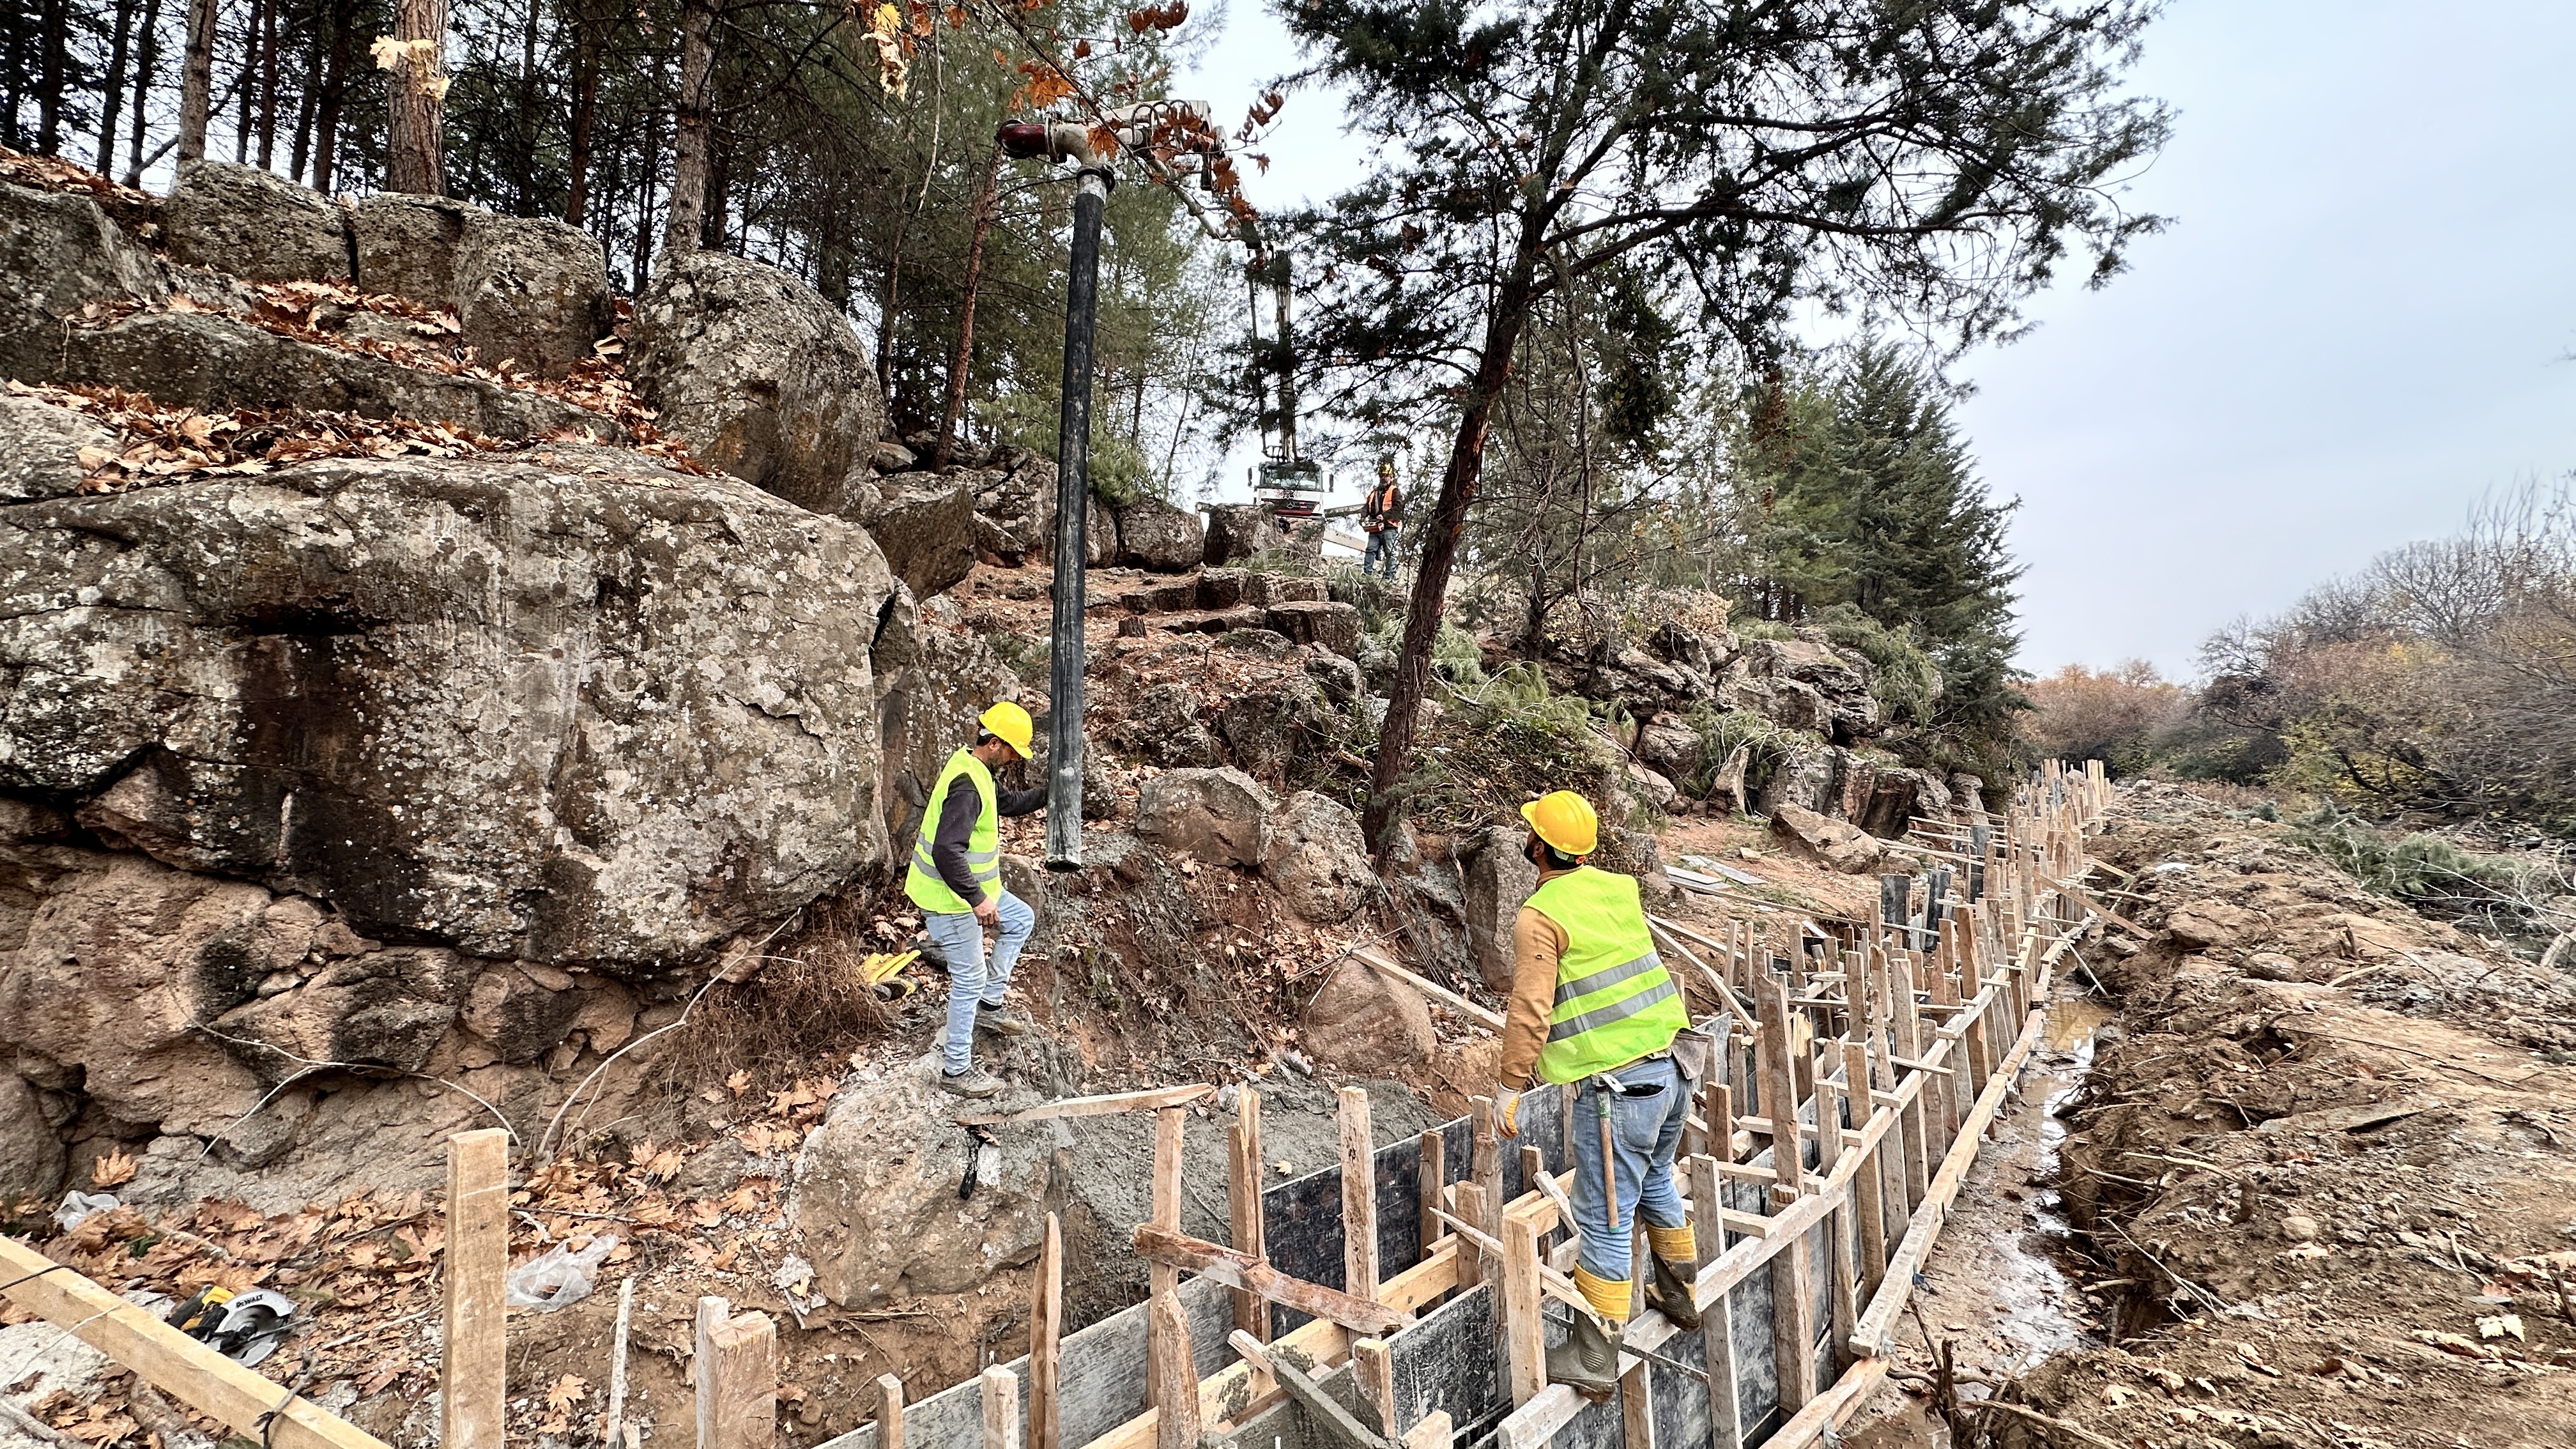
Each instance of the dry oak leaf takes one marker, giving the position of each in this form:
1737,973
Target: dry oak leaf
117,1167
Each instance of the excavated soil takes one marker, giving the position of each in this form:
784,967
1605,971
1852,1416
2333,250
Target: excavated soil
2315,1188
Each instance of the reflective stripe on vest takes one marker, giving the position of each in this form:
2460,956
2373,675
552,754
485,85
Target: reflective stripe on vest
1614,1001
922,883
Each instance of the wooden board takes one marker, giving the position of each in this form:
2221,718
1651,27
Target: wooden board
1149,1100
473,1372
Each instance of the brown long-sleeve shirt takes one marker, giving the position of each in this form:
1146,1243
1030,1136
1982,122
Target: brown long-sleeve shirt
1537,945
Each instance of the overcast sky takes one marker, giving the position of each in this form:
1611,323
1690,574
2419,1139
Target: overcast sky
2356,327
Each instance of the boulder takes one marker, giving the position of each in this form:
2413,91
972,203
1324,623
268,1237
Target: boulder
247,223
219,363
585,710
406,246
58,254
1015,509
1809,776
380,1009
1834,844
1334,628
1337,675
2206,925
1235,531
1669,747
934,677
1099,537
40,448
1261,727
1157,537
1499,879
1313,854
31,1152
1898,797
1967,793
1363,1024
1789,703
1107,787
1651,787
1220,588
536,291
892,457
1218,816
875,1208
1164,729
926,531
1267,590
763,377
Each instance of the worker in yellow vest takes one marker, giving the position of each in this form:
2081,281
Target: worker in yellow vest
956,879
1593,1006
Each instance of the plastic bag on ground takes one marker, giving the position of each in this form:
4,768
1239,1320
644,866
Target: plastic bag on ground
80,1207
558,1277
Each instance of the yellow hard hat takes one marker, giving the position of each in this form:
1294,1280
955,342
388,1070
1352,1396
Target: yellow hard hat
1565,820
1008,723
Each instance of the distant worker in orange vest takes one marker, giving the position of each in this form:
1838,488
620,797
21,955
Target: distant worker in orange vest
1382,518
1592,1005
956,879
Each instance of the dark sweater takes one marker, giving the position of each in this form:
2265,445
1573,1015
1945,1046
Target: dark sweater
957,814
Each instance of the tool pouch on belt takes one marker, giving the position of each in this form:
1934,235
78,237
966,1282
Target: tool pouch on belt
1694,1052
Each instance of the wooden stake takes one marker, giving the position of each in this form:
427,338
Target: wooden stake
1485,1165
1524,1326
1373,1369
1433,1175
1434,1432
1793,1321
1243,1199
1845,1291
1869,1206
1046,1334
473,1375
1359,1196
736,1373
1001,1408
1163,1279
889,1412
1717,1326
1636,1408
1224,1265
615,1425
1779,1087
1172,1374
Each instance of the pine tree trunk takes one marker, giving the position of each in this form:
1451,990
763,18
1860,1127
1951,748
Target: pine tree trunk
335,89
112,93
1448,522
268,84
682,232
985,199
52,58
528,113
197,81
305,99
146,62
585,106
414,158
245,91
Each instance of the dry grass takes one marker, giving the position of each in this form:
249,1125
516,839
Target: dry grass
809,1003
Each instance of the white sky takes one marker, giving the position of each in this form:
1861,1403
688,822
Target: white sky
2358,325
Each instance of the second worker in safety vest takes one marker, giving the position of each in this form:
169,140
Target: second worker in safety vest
1593,1006
956,879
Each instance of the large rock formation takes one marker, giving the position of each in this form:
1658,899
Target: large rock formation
1157,537
1498,879
58,254
248,223
593,712
532,291
759,373
1313,854
1220,816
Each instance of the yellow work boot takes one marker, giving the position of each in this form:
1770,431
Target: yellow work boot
1668,1291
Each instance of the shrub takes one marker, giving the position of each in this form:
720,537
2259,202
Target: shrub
1907,681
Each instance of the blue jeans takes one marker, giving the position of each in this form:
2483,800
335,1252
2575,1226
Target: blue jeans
1645,1132
1381,545
971,978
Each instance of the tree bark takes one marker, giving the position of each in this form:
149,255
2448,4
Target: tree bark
586,28
245,87
267,84
52,57
305,99
112,94
985,200
681,232
335,90
197,81
146,61
414,156
528,111
1447,524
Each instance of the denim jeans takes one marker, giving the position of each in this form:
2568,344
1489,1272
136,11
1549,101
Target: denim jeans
1645,1132
971,978
1381,545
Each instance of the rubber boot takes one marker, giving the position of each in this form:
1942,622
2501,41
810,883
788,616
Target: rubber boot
1586,1362
1669,1293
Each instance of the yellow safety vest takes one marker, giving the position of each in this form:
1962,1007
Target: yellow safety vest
983,848
1614,1000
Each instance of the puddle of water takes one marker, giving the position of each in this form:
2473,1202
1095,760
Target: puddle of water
2072,1020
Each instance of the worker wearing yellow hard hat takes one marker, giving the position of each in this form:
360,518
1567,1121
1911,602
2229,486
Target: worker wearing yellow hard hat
956,879
1593,1008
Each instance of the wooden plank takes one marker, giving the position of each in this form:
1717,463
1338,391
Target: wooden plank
1162,1279
1243,1202
1002,1408
1484,1016
1434,1432
1046,1330
1524,1327
1485,1166
1779,1087
1669,937
736,1374
473,1373
168,1360
889,1413
1172,1374
1359,1195
613,1427
1636,1407
1830,1409
1180,1253
1373,1369
1151,1099
1793,1321
1841,1273
1717,1328
1434,1174
1869,1204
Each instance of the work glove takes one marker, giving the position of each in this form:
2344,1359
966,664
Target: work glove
1507,1112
